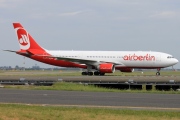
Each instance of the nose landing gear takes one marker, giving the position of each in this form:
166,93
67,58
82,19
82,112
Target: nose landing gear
158,72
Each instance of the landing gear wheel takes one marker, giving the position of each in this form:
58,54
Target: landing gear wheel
102,74
90,73
96,73
84,73
158,73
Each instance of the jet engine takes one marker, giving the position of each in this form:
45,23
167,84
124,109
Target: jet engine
126,70
106,68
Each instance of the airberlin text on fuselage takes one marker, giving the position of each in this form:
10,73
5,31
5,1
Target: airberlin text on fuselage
135,57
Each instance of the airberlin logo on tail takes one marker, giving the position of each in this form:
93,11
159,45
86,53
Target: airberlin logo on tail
23,38
135,57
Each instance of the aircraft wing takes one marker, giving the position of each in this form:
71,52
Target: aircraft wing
85,61
76,60
80,61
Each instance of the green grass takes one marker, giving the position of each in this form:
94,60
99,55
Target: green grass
81,87
66,86
34,112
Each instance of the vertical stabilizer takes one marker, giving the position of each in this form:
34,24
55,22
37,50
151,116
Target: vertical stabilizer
26,42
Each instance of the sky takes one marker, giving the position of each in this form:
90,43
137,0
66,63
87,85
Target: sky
113,25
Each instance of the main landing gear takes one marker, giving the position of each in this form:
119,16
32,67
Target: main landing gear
96,73
87,73
158,72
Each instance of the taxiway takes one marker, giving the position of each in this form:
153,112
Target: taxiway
101,99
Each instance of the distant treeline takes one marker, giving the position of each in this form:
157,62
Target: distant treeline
62,68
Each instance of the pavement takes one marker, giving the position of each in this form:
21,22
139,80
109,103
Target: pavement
91,99
95,78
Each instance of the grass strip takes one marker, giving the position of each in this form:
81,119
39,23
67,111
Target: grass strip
31,112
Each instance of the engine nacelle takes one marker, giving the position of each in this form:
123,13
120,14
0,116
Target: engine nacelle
127,70
106,68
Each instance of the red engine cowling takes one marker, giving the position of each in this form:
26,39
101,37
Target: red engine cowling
126,70
106,68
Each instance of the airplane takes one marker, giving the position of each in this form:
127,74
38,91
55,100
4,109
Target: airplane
94,62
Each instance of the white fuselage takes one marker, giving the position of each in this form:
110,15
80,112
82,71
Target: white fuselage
134,59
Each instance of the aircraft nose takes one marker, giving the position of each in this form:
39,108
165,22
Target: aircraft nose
176,61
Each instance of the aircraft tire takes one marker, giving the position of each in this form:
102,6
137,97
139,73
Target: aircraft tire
102,74
84,73
96,73
90,73
158,73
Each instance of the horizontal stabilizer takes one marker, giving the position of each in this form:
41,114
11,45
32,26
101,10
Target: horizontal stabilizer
18,52
10,51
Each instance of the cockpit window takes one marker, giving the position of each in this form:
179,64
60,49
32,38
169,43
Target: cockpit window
170,57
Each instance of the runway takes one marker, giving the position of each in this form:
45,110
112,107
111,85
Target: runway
92,99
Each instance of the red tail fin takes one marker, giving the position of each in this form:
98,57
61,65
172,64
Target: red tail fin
25,40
